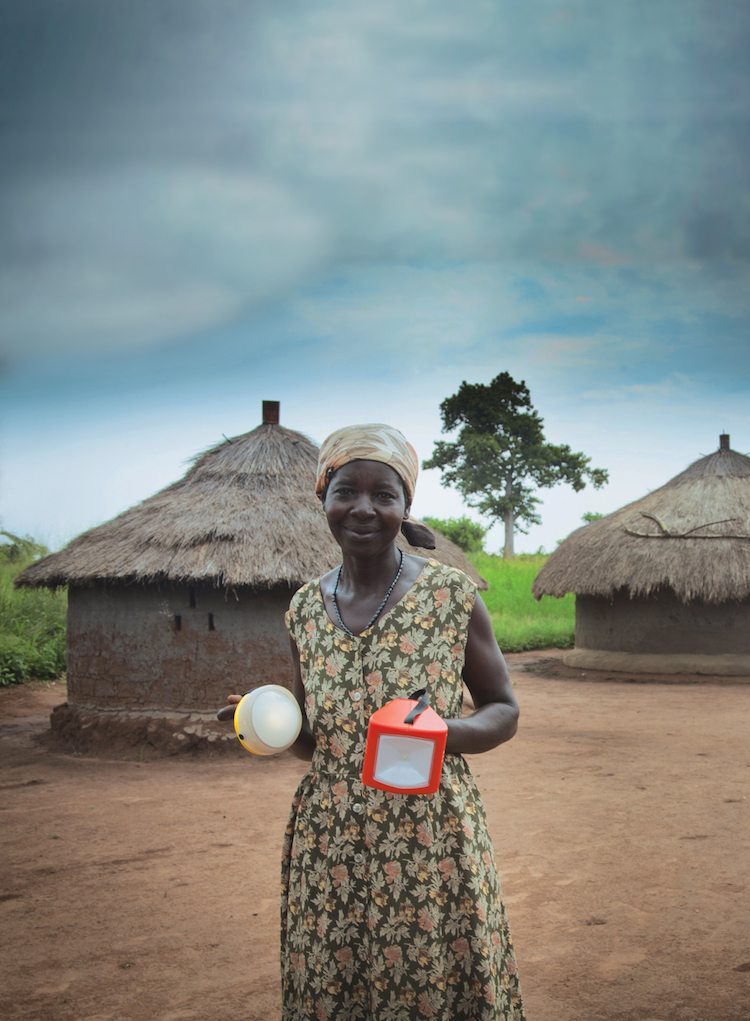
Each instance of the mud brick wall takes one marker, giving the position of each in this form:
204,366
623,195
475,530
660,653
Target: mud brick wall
183,647
661,623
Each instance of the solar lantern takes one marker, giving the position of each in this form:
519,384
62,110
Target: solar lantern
405,747
267,719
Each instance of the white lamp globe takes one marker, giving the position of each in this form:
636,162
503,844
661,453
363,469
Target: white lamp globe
267,720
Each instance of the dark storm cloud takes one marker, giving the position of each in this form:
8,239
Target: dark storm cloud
168,165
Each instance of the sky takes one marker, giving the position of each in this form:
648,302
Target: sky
351,208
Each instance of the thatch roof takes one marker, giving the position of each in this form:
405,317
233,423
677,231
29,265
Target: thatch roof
244,514
692,536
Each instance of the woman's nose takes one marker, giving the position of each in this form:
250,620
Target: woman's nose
363,506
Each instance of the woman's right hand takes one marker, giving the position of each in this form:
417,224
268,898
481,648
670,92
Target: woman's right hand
227,711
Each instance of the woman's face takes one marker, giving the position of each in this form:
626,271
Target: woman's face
365,506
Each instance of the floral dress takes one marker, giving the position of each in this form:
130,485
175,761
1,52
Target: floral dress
391,906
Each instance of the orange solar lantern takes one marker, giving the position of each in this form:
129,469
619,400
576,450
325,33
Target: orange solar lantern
405,747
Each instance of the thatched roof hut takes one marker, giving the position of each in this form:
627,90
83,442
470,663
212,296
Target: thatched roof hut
181,599
245,514
663,584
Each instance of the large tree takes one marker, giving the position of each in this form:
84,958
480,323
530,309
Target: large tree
500,455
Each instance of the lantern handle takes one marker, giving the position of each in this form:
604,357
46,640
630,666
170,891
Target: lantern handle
419,708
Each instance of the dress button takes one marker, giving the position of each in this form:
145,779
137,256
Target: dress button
358,806
358,858
356,696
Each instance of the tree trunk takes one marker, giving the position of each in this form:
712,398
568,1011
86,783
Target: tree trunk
509,529
510,522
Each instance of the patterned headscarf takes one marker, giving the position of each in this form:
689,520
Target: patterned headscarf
373,442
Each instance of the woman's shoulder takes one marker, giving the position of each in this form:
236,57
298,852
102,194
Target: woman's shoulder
303,593
438,573
303,600
325,582
448,586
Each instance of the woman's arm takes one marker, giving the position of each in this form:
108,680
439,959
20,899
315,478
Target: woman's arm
495,719
304,746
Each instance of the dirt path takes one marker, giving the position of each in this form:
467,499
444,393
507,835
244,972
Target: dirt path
148,891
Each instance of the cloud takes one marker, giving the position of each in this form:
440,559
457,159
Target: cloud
465,321
676,387
170,166
145,254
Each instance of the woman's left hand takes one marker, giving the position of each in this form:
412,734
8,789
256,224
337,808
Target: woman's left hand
227,711
495,719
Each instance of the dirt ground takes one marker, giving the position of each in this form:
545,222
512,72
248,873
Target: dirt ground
148,890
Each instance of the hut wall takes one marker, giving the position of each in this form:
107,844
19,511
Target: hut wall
661,623
142,647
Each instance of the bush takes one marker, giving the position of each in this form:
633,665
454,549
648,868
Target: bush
518,620
463,531
590,516
32,621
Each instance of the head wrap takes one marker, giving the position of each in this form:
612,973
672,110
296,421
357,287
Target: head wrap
374,442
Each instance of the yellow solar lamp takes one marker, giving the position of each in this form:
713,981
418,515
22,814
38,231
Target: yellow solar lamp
267,719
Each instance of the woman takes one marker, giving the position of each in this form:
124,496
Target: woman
391,905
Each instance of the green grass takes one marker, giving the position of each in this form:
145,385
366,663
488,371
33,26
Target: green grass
518,620
32,621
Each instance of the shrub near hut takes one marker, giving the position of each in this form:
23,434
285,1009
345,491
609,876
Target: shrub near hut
32,623
467,534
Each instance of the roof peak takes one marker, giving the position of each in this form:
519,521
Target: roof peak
723,462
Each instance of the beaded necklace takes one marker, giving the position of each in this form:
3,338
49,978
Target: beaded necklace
379,609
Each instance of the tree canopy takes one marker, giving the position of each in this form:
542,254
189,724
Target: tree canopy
500,455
